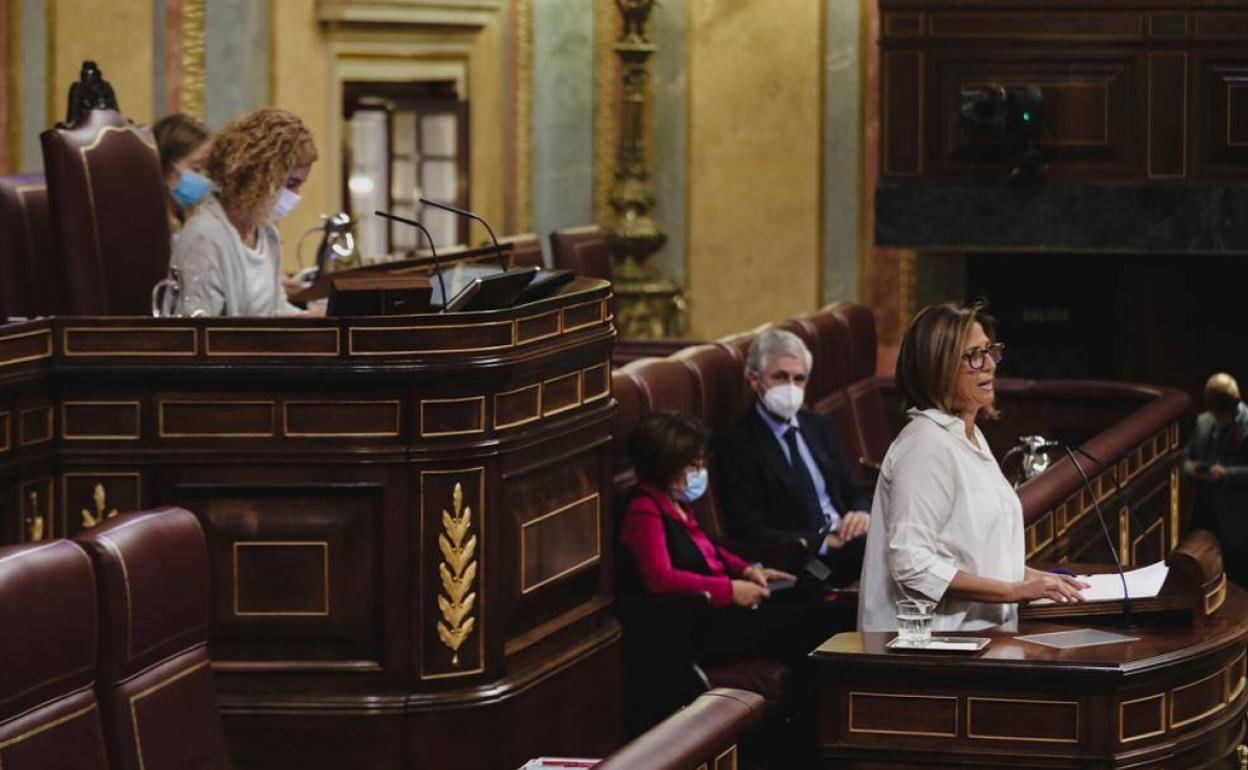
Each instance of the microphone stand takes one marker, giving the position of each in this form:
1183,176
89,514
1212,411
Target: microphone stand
502,263
437,266
1127,619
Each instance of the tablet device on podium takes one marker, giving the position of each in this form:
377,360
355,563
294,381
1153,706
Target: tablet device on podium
492,292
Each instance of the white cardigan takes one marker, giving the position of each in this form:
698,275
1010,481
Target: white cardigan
220,275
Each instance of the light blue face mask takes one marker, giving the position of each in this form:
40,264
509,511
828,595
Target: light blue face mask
190,189
696,482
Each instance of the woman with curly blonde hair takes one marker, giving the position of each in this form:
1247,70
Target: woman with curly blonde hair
229,255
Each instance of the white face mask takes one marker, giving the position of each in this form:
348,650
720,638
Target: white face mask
784,400
286,202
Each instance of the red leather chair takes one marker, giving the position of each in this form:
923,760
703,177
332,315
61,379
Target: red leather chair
107,195
704,734
833,358
154,680
583,250
49,716
526,250
29,276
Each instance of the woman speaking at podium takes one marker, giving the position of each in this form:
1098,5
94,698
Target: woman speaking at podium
946,526
229,255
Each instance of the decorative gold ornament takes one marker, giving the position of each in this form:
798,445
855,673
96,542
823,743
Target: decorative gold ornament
101,503
34,522
458,570
193,47
648,305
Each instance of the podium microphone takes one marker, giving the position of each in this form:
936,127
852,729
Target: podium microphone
502,263
437,266
1100,517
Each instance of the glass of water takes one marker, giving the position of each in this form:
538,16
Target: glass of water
914,622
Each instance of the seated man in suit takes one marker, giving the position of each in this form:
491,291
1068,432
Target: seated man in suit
781,471
1216,460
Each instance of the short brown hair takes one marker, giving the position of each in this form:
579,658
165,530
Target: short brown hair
1221,393
254,154
663,443
177,136
931,354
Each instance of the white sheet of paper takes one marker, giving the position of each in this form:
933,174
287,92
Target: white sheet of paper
1142,583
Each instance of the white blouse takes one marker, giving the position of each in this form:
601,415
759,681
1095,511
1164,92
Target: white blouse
941,505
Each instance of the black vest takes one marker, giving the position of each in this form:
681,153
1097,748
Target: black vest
681,549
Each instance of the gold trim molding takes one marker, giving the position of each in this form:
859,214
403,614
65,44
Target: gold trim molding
191,85
606,99
522,212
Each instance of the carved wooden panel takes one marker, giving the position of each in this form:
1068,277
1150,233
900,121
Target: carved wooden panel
452,416
903,714
1167,115
560,394
114,341
560,542
1224,138
521,406
448,338
100,420
535,328
34,425
269,341
1197,700
902,112
295,568
452,582
216,419
584,315
25,346
341,418
1143,717
1023,719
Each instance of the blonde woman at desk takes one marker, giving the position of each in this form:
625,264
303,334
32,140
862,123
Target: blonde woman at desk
945,525
229,255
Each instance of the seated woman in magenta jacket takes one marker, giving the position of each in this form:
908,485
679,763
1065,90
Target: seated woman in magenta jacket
672,554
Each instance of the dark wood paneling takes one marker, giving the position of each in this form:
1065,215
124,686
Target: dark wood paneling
296,569
560,542
271,342
1022,719
452,416
344,419
902,714
88,497
119,341
1167,115
217,419
1052,25
902,113
113,420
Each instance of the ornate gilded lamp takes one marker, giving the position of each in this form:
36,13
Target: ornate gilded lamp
648,305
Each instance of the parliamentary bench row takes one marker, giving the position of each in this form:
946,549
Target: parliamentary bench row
105,662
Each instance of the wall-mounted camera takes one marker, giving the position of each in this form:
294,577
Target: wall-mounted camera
1016,114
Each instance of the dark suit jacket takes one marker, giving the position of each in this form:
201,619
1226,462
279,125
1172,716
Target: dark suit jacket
758,489
1228,500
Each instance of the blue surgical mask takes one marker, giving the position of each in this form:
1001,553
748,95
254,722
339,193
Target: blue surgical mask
190,189
696,482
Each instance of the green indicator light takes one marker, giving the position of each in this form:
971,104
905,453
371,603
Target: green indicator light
1026,117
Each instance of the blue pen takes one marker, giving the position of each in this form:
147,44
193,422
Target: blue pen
1060,571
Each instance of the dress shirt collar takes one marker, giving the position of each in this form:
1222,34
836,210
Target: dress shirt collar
957,426
777,427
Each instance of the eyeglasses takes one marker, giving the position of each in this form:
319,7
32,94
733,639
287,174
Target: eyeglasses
977,357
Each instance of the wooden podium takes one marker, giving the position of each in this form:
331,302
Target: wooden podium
1174,698
408,517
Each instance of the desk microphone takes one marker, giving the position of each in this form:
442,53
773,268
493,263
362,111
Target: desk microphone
502,263
1100,517
437,266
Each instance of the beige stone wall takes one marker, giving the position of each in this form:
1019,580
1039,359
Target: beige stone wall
119,39
299,82
754,162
